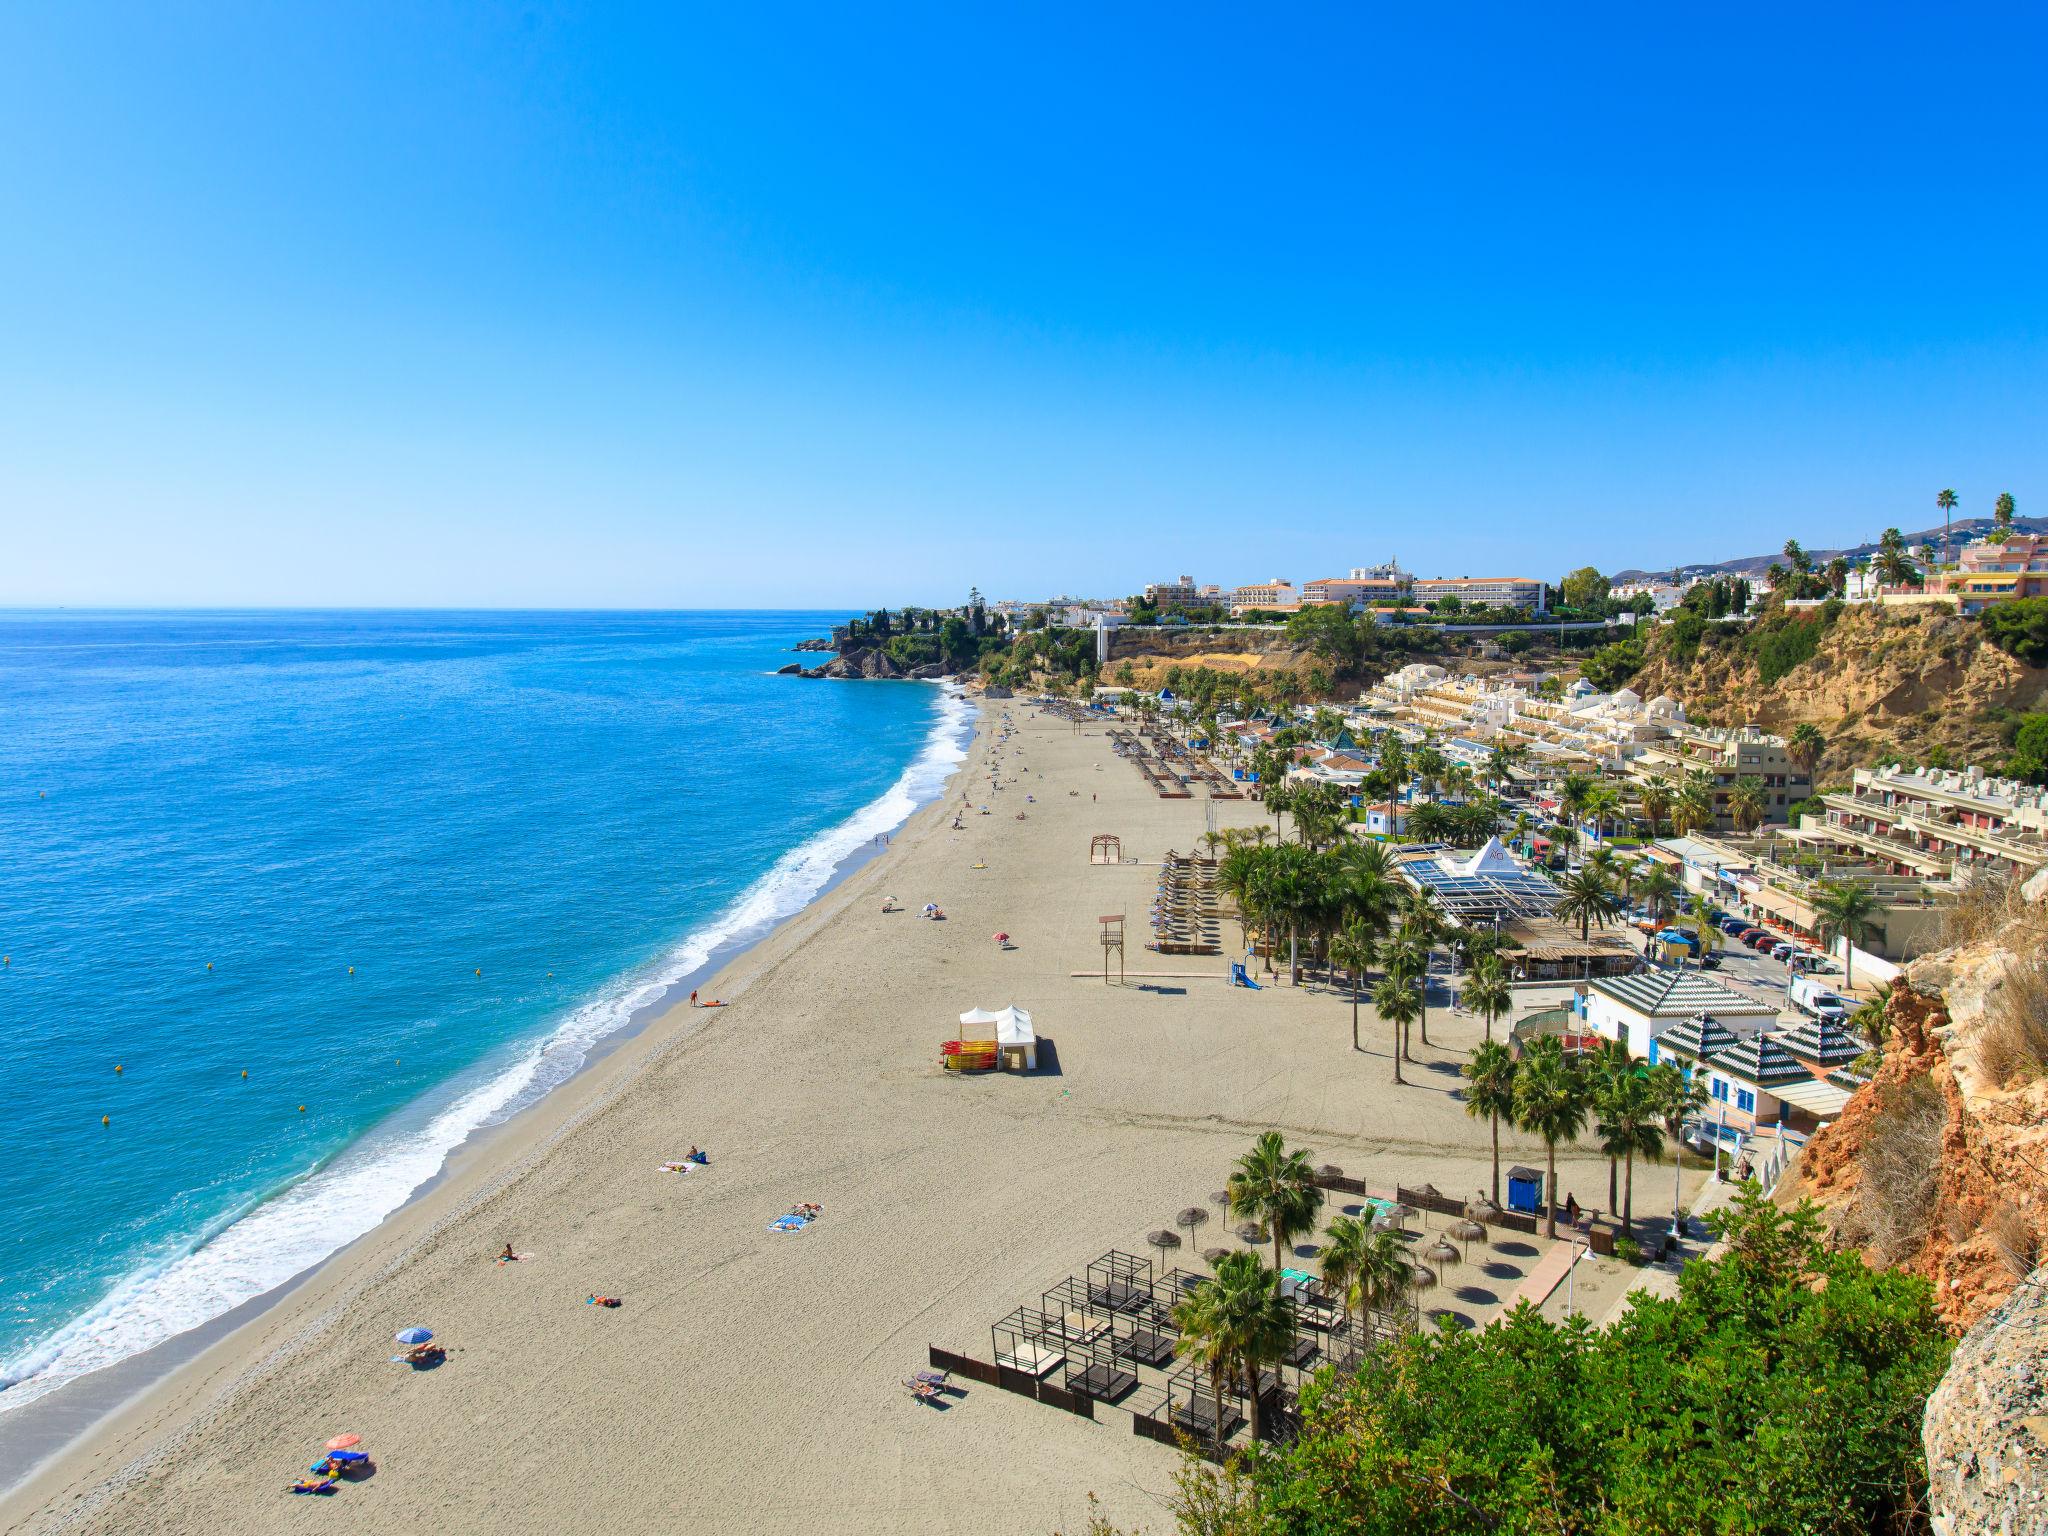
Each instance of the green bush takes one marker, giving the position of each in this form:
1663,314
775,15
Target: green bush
1785,643
2020,629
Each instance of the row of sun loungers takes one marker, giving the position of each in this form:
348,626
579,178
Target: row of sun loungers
1186,915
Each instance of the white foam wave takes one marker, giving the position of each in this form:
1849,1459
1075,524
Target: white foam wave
349,1195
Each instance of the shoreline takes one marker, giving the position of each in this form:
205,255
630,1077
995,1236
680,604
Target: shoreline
41,1430
741,1353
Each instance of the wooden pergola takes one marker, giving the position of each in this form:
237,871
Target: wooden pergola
1105,848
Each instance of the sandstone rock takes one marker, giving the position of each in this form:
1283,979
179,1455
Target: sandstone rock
794,669
1986,1427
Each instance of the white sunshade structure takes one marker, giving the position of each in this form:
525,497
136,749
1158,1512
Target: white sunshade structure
1013,1031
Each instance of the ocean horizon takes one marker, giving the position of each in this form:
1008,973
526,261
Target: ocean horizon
298,900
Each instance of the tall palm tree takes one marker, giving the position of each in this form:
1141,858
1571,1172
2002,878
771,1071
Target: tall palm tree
1602,802
1276,1188
1655,800
2001,516
1846,908
1394,1001
1382,1276
1674,1094
1587,900
1203,1320
1550,1102
1806,744
1746,802
1356,948
1604,1069
1694,809
1628,1126
1255,1320
1490,1094
1409,960
1946,500
1656,887
1343,1254
1487,992
1571,799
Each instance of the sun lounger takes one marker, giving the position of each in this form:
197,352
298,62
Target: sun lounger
1032,1359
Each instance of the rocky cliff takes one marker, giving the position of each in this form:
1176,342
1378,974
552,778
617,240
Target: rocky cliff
867,662
1940,1165
1882,680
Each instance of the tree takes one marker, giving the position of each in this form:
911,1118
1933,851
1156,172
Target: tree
1203,1321
1255,1321
1490,1094
1572,794
1656,887
1584,588
1946,501
1487,992
1550,1102
1382,1275
1806,744
1694,808
1276,1188
1674,1095
1394,1001
1846,909
1746,802
1587,900
1628,1127
1355,948
2001,516
1893,568
1654,798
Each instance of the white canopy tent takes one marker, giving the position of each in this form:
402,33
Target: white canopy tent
1012,1030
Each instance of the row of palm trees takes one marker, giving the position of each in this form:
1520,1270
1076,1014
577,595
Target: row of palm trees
1552,1094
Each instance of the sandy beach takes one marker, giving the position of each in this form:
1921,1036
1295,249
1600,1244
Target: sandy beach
751,1380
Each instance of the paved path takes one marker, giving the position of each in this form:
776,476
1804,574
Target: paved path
1546,1276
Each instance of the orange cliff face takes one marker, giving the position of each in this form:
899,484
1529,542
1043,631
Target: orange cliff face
1933,1166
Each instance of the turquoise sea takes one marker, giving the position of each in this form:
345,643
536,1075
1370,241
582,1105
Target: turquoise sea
299,900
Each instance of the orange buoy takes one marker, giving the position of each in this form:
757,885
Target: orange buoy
302,1109
117,1069
479,970
245,1071
106,1119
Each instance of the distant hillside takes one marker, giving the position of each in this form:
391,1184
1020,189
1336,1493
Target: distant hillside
1755,565
1876,681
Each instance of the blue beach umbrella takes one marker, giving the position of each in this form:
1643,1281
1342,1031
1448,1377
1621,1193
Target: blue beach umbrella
414,1335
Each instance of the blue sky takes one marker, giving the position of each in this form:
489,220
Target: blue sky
816,305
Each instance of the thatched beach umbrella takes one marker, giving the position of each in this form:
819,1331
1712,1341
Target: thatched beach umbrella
1443,1251
1221,1200
1329,1171
1251,1232
1191,1217
1214,1256
1421,1277
1163,1240
1469,1232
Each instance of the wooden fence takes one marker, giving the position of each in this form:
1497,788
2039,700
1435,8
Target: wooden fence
1023,1383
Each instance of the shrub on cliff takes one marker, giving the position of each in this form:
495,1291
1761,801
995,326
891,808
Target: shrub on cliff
1781,1391
2020,629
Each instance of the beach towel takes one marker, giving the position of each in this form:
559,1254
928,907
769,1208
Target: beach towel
788,1224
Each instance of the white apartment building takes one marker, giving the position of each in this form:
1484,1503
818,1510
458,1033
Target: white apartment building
1488,591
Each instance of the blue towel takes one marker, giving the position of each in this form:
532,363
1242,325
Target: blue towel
787,1224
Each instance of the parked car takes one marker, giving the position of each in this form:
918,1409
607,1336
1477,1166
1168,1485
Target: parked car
1784,950
1710,961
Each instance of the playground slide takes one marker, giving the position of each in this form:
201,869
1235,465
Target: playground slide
1239,977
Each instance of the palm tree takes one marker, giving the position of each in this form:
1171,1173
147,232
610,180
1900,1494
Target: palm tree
1627,1128
1603,1070
1254,1319
1656,887
2001,517
1806,744
1704,930
1675,1094
1571,799
1550,1102
1655,800
1946,500
1746,802
1342,1256
1491,1094
1586,901
1893,568
1409,960
1695,807
1382,1274
1487,992
1394,1001
1602,801
1355,947
1203,1320
1276,1188
1846,908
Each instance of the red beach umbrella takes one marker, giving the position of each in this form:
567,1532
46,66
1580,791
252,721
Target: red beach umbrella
1001,938
344,1442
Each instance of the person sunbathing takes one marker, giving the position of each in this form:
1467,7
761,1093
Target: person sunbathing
601,1301
312,1485
508,1256
421,1354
